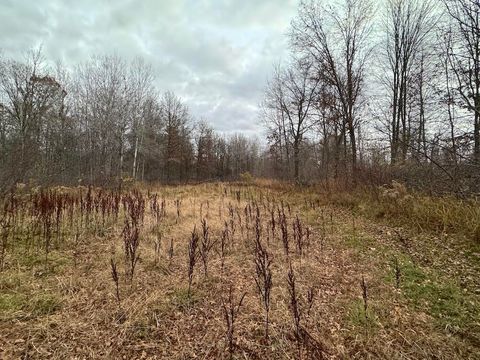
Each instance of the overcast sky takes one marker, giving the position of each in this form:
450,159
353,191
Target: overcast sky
215,54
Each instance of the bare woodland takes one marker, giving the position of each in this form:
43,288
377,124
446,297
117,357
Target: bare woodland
105,122
396,92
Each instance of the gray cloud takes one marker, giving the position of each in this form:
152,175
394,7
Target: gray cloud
216,55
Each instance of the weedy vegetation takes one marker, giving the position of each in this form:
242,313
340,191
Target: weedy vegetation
249,270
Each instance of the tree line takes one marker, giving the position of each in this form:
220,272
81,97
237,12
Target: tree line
105,121
394,88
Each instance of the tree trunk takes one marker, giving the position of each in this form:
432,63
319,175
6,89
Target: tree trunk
296,160
353,145
476,131
135,153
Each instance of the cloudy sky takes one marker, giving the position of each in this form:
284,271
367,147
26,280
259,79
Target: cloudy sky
215,54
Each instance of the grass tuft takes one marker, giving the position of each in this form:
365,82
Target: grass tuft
42,305
358,317
184,299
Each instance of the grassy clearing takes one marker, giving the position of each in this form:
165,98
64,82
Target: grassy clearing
432,313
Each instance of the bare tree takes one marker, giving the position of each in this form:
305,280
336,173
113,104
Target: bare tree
30,98
290,98
205,159
407,24
464,55
102,107
448,99
141,93
103,121
178,152
336,39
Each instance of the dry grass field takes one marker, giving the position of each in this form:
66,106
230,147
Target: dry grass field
190,272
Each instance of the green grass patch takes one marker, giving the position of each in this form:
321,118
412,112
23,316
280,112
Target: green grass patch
182,300
11,303
358,241
41,305
12,280
36,260
445,301
37,305
357,316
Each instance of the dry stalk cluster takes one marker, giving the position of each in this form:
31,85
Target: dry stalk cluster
231,309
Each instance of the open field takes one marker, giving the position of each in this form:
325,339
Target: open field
350,277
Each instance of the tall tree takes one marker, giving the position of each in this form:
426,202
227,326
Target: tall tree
335,38
178,150
30,98
464,55
290,98
407,24
205,159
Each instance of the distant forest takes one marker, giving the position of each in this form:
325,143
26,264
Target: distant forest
368,95
106,121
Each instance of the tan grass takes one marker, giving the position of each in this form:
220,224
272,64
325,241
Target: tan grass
157,318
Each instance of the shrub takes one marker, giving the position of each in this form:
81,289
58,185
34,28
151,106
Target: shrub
246,177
